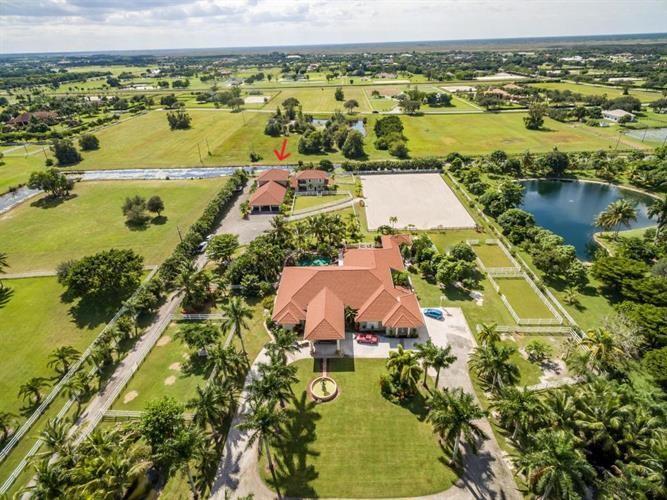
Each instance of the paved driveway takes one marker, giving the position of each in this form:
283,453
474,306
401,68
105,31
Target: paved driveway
247,229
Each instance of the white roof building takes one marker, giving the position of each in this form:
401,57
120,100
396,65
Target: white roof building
616,114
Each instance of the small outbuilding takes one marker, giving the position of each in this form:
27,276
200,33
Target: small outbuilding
617,115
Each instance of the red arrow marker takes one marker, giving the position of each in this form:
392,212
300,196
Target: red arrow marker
281,155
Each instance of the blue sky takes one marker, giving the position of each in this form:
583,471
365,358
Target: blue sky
70,25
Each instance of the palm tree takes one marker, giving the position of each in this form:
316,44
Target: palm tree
284,343
570,295
493,366
442,359
227,360
393,220
554,467
656,210
426,353
212,404
32,390
263,422
55,437
281,233
559,407
405,366
7,420
50,481
603,348
62,358
520,409
236,313
275,383
77,388
618,213
3,266
452,414
350,314
183,448
488,333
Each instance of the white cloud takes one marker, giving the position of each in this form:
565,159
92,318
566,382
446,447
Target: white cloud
61,25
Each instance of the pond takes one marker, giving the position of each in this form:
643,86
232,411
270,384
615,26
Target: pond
649,134
568,208
357,125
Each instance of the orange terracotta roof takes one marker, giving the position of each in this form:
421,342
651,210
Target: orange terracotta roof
311,173
391,240
325,318
363,282
274,174
269,194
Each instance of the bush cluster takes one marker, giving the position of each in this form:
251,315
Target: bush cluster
414,164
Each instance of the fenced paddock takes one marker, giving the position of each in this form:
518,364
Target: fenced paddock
422,201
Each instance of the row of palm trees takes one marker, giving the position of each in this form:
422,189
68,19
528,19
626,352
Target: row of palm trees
600,435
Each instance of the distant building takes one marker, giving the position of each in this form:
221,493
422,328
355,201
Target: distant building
616,115
48,117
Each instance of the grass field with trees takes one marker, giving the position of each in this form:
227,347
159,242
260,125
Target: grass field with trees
39,236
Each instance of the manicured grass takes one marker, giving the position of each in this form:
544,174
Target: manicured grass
322,100
162,374
584,89
39,238
484,133
34,320
304,202
360,444
446,239
523,298
492,256
16,170
146,141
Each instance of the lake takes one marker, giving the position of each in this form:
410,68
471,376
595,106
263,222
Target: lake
568,208
358,125
649,134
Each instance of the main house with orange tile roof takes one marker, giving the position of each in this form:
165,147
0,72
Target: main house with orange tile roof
310,180
314,299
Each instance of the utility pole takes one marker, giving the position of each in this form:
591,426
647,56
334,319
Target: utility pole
200,158
180,236
208,147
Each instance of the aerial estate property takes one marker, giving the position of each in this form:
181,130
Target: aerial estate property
399,269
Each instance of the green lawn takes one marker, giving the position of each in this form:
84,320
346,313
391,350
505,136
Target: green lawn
34,320
359,445
446,239
487,132
584,89
162,374
39,238
322,100
146,141
305,202
17,170
492,256
523,298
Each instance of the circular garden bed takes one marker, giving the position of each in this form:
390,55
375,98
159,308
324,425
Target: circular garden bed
323,389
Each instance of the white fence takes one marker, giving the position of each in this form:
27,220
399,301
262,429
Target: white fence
198,317
557,318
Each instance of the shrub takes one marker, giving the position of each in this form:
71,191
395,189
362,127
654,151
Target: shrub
89,142
65,152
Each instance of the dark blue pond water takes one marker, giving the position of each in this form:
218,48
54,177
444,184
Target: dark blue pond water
568,209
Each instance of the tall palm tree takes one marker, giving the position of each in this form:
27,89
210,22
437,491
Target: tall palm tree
32,390
452,414
281,233
263,422
488,333
350,314
405,366
77,388
274,384
520,410
237,313
284,342
603,348
227,360
62,357
55,437
442,359
618,213
426,354
50,481
554,467
559,407
656,210
212,404
7,420
182,449
493,366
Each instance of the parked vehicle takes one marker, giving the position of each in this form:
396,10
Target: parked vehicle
202,246
367,338
434,313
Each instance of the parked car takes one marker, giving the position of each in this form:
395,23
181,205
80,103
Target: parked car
367,338
202,246
434,313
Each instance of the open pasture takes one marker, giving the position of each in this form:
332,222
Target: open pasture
39,235
585,89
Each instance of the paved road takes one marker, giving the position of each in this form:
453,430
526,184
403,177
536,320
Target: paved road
10,200
486,474
246,229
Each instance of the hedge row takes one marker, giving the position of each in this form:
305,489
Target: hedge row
414,164
186,250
